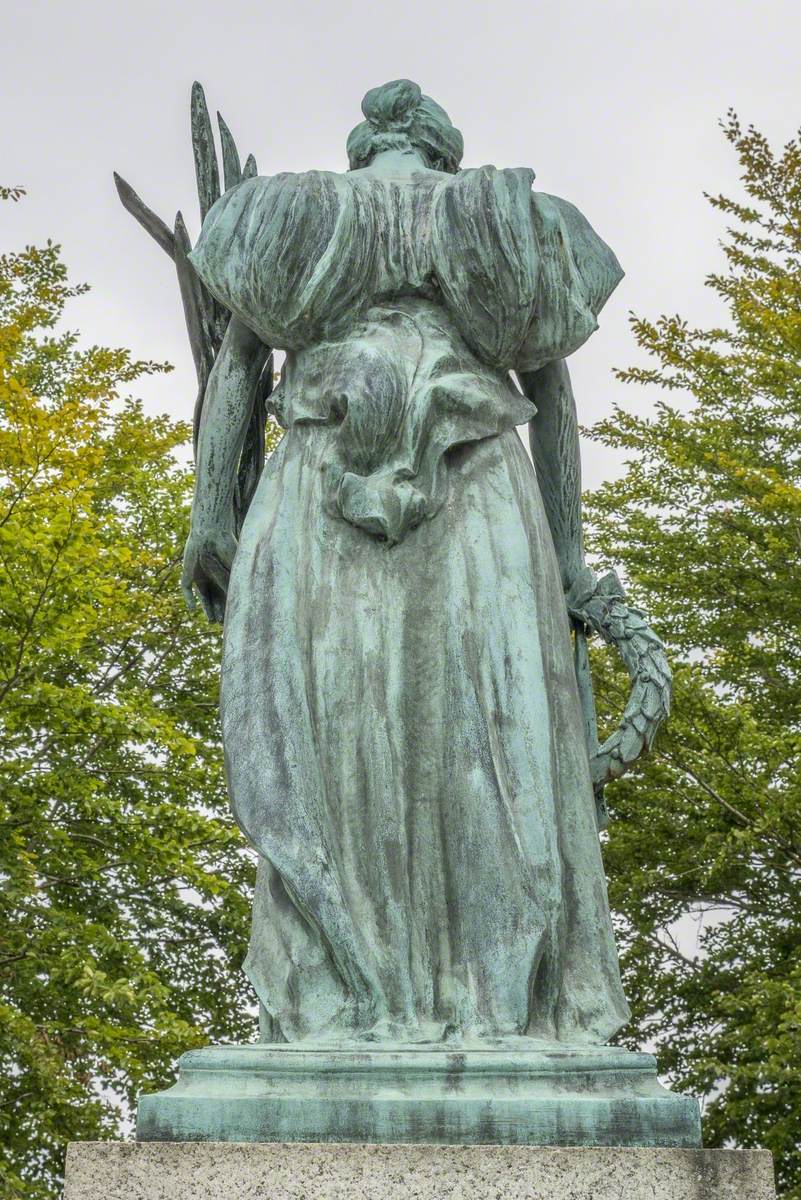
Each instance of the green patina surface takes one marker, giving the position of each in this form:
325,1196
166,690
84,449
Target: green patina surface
407,717
503,1093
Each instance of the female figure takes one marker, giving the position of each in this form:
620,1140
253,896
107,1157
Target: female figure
404,738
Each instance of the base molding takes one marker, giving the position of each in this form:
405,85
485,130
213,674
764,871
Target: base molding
520,1093
297,1171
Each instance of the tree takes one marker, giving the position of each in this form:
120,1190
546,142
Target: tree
706,523
125,887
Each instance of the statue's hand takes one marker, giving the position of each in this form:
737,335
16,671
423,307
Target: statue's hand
601,605
208,556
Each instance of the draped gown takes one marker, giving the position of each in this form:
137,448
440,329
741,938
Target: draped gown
403,736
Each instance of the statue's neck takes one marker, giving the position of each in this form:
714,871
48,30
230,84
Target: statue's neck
397,162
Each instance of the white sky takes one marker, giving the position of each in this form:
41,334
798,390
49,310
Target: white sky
614,105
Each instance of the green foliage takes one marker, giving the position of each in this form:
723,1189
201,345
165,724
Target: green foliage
125,887
706,524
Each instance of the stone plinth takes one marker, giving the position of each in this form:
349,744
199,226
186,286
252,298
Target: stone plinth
294,1171
516,1092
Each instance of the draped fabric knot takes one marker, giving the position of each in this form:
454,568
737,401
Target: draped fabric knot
403,389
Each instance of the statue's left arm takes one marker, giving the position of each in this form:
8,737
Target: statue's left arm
226,414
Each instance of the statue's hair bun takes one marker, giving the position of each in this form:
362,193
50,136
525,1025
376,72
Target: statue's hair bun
392,105
398,114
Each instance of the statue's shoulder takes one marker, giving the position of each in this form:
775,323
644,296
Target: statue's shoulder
523,272
474,176
270,251
509,185
258,208
507,194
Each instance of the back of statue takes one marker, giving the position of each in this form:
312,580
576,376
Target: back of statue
407,720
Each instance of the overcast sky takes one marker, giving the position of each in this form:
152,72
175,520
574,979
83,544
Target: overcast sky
615,106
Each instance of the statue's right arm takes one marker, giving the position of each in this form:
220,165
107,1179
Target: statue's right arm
554,442
227,408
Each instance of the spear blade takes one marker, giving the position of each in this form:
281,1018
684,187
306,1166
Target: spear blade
206,170
232,170
158,230
199,320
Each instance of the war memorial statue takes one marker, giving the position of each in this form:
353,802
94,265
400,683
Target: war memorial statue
407,715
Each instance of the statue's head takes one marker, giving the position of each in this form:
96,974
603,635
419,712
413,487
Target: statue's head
399,116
